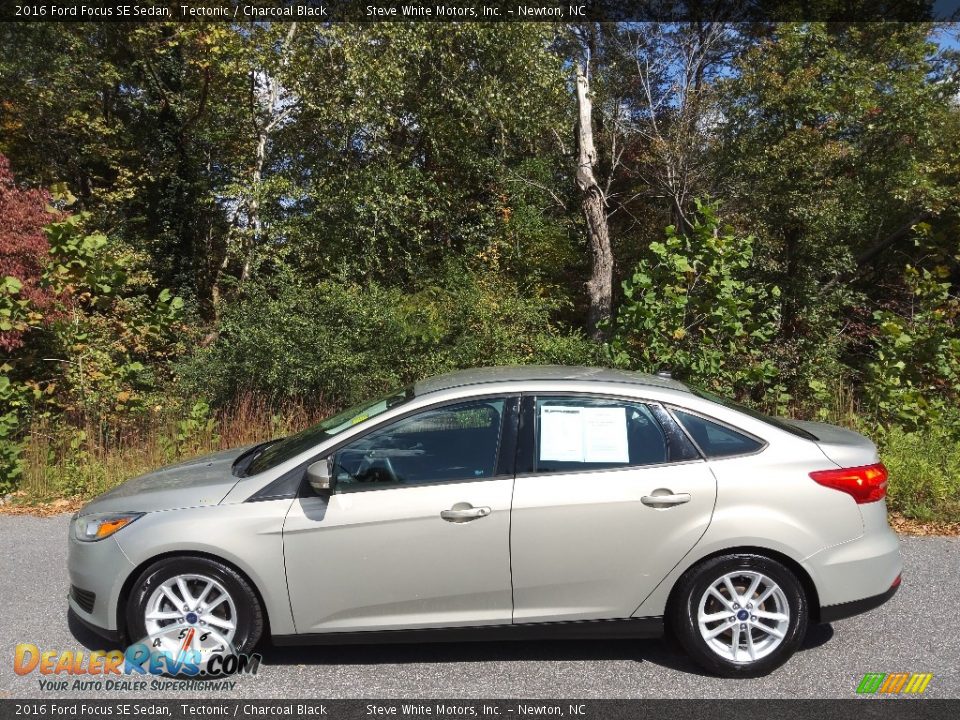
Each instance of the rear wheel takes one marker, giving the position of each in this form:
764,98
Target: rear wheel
739,615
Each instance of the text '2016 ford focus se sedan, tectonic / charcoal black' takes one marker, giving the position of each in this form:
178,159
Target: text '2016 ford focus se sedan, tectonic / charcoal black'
502,503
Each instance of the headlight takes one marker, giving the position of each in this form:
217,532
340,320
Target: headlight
101,525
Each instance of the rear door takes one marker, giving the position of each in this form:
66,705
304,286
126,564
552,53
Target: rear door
608,498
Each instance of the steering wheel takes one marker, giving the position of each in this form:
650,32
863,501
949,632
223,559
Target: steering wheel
376,468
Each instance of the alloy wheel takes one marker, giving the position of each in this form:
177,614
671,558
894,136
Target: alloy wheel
743,616
191,612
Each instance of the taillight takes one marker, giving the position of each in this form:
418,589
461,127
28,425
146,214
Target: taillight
867,483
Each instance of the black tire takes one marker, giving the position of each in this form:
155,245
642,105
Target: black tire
684,611
249,613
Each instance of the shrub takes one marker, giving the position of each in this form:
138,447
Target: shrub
13,399
691,308
192,433
113,334
85,335
914,378
24,253
340,341
924,473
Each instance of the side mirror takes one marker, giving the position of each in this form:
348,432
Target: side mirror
319,475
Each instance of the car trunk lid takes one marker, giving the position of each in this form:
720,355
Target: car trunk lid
844,447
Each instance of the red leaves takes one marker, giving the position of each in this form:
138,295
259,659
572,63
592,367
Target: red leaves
24,250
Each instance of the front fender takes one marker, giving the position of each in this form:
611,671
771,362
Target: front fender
248,536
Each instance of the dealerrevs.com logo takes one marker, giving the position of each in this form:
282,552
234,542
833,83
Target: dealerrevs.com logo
901,683
142,666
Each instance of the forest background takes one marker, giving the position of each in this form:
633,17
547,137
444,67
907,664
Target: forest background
214,234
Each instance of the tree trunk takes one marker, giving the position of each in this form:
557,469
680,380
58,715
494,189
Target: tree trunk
267,112
253,205
600,285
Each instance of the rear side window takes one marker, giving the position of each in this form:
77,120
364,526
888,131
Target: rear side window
776,422
577,434
715,440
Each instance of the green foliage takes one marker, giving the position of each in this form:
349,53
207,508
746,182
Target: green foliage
435,162
93,352
913,379
79,474
13,400
14,310
190,434
108,335
924,470
80,263
836,140
692,308
338,341
322,212
126,115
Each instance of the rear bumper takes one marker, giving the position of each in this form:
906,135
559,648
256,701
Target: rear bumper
862,569
832,613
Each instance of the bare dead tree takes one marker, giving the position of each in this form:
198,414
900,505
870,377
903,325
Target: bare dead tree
600,284
602,140
268,109
269,104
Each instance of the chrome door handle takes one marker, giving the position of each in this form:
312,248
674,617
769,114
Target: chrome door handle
464,514
667,500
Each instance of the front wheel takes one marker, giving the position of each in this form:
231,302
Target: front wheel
195,604
739,615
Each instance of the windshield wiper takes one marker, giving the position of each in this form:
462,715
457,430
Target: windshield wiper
240,465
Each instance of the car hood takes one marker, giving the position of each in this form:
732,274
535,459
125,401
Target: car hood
202,481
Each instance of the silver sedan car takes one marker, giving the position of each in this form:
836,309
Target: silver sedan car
502,503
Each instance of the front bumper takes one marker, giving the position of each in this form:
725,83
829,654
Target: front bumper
115,637
100,568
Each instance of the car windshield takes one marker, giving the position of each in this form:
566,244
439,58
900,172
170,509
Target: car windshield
283,450
780,423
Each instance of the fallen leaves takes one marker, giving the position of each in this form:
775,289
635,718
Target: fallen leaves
909,526
46,509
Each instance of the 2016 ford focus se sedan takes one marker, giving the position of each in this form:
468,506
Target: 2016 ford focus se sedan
502,503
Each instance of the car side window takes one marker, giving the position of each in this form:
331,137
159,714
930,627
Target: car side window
715,440
580,434
447,444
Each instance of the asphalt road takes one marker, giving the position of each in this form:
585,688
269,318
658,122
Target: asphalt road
917,631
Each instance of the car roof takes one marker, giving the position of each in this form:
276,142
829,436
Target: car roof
531,373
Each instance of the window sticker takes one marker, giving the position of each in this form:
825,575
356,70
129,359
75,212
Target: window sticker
605,435
583,434
561,433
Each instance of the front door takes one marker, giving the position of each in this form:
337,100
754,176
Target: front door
416,533
614,496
